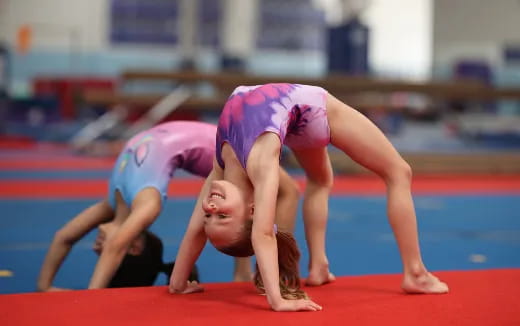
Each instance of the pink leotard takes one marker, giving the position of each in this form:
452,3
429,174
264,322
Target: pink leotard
151,157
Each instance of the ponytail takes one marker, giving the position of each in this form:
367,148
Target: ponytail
288,265
288,261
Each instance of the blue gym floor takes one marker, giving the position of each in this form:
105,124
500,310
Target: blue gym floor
456,232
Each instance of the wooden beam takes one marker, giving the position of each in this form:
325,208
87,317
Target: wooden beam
336,84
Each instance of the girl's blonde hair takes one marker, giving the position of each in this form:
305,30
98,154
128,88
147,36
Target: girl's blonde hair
288,261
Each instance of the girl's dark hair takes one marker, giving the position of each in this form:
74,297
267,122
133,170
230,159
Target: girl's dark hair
288,261
143,269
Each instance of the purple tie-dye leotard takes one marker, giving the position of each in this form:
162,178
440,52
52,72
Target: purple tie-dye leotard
296,113
151,157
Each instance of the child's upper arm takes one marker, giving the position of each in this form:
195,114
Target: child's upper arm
263,169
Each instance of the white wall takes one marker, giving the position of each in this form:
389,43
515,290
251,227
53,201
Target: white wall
238,31
401,37
400,44
56,24
71,37
474,29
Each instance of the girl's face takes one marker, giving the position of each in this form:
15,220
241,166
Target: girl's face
226,212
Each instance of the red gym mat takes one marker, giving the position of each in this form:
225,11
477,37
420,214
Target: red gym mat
58,163
486,297
365,185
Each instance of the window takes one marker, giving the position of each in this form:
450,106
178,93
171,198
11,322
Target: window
144,21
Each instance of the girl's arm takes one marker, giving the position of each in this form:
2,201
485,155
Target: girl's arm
263,169
263,237
193,242
65,238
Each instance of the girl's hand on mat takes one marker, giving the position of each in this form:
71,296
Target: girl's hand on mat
191,287
296,305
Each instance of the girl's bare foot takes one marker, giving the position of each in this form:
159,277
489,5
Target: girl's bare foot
423,283
319,276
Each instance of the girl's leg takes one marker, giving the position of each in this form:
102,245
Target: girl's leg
122,209
287,202
243,271
144,210
360,139
319,174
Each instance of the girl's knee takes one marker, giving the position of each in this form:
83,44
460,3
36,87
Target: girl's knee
290,189
401,171
116,245
325,182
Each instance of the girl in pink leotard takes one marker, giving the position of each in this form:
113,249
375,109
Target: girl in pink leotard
239,196
137,190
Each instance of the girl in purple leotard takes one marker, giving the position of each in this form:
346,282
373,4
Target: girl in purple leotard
239,196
